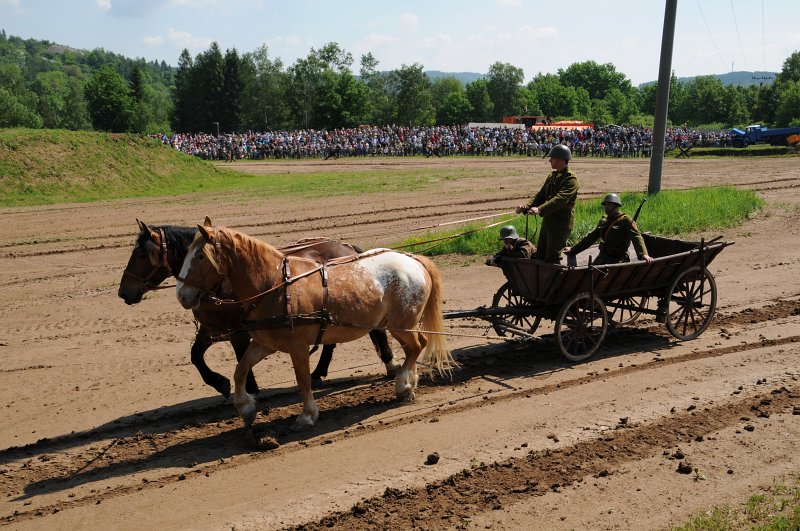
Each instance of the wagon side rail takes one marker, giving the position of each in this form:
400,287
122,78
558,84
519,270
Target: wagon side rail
547,284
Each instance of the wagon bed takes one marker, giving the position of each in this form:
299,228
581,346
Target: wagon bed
584,300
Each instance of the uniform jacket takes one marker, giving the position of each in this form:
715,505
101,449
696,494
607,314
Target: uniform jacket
616,234
556,199
522,249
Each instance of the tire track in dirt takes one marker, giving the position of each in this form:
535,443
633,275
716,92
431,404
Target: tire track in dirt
150,442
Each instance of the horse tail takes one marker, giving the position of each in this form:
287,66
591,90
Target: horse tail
437,355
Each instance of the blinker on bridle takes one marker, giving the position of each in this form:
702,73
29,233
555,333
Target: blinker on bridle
147,285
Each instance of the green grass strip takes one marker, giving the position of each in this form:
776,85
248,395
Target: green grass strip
669,213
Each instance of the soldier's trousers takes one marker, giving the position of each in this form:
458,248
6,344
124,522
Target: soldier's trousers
551,241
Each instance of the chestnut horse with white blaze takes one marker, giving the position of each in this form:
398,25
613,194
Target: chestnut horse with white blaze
351,296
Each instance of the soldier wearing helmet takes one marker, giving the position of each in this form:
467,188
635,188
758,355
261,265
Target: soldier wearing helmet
615,231
513,246
555,202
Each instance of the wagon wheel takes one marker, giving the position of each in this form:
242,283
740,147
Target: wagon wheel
581,326
503,324
621,316
691,303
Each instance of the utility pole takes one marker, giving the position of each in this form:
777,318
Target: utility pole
662,98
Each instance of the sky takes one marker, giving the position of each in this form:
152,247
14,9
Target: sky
711,36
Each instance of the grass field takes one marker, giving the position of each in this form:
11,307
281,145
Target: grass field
670,213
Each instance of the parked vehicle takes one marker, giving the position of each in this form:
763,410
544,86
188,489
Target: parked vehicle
758,134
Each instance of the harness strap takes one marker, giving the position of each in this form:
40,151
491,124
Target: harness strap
614,222
324,323
164,260
287,280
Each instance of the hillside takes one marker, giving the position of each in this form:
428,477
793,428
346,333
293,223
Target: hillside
51,166
741,78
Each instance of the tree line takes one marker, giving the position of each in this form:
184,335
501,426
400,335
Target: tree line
51,86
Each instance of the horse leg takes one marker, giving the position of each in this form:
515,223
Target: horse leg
199,347
321,370
310,414
240,341
244,402
413,343
381,342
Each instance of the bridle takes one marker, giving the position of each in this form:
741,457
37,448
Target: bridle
146,283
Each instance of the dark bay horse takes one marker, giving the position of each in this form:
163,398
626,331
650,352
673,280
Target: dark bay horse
379,288
159,253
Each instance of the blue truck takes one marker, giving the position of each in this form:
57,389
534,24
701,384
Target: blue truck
758,134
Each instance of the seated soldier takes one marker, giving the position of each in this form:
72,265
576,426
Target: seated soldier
616,232
513,246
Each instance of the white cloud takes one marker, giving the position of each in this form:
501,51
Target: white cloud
105,5
509,3
12,7
186,40
153,40
376,40
409,20
228,7
440,40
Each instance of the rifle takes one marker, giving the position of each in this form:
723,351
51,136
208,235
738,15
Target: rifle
638,210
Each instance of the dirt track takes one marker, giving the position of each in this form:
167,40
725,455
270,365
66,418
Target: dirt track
108,425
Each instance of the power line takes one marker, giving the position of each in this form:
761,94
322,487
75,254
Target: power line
738,35
724,62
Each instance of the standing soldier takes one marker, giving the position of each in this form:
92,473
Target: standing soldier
617,231
555,202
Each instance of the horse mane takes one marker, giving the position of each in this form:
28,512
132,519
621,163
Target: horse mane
178,241
244,243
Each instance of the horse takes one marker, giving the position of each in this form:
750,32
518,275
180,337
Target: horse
341,300
160,250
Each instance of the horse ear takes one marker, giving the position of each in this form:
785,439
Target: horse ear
207,222
205,231
142,225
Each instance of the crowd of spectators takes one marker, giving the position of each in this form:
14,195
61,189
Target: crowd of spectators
372,141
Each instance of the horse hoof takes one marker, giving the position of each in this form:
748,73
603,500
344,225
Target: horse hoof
391,369
302,423
407,397
225,390
405,393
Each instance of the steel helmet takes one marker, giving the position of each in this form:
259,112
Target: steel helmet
560,151
508,232
612,198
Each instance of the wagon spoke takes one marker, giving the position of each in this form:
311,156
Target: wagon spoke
581,326
691,303
522,325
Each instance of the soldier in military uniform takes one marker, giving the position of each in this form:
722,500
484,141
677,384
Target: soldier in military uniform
513,246
555,202
616,232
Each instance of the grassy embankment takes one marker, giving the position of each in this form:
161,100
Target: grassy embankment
40,167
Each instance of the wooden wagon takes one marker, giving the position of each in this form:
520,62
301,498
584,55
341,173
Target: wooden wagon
583,300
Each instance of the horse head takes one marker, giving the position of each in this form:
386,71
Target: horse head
148,265
202,269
